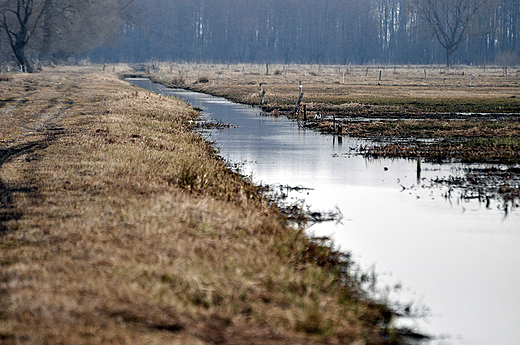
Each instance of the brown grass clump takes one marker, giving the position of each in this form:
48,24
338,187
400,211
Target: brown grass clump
120,225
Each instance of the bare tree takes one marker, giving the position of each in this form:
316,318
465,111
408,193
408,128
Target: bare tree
81,25
451,22
20,20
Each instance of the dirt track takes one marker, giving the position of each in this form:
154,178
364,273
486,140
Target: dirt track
25,132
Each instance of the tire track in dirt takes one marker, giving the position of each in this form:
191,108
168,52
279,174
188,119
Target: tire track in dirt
35,135
7,210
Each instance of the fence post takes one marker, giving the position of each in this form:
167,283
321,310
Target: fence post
300,95
262,94
419,169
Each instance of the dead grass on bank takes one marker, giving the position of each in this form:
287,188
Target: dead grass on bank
120,225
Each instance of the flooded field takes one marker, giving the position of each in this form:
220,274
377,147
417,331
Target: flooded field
450,258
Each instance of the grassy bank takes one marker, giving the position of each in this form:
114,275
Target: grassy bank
120,225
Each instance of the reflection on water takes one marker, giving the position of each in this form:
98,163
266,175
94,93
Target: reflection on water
457,257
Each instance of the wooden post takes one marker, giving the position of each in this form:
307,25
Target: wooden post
418,169
297,108
380,72
334,122
340,127
305,112
262,94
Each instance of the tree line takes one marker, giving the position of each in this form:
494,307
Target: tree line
283,31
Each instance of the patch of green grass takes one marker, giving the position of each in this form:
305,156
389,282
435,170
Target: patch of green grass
512,142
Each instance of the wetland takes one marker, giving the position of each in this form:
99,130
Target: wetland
442,237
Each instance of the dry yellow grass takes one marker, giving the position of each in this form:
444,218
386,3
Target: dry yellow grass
120,225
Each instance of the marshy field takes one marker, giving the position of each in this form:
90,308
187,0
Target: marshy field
466,113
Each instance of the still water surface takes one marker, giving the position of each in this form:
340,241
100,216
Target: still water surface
457,260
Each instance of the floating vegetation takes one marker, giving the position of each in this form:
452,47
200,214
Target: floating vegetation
446,152
213,124
297,210
485,185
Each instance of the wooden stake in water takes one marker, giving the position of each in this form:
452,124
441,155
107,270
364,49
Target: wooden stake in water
418,169
262,94
300,95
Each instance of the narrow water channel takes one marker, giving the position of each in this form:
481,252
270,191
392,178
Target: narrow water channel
457,261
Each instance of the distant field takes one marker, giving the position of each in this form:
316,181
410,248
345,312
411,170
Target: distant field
396,100
351,89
